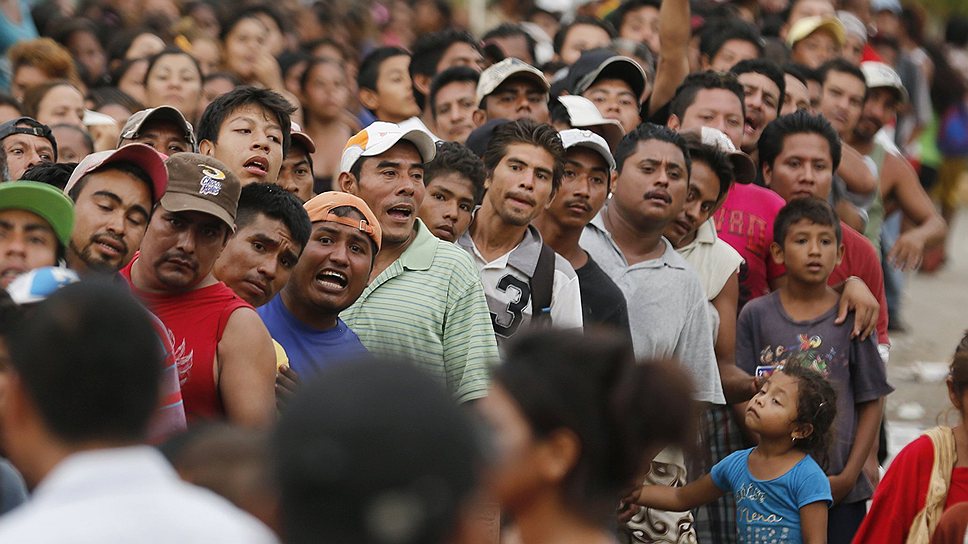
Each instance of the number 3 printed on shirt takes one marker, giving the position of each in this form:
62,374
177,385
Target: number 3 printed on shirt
520,294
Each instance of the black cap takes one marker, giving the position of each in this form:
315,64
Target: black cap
30,126
478,139
595,64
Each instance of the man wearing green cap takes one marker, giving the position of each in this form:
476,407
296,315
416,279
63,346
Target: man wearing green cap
35,226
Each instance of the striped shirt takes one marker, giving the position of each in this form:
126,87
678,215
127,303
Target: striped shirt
429,306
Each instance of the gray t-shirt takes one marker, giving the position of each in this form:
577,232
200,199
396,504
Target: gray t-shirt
767,335
667,308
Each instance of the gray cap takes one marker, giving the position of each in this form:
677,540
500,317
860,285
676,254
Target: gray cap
132,127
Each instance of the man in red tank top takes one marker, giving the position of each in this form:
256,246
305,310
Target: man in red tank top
225,358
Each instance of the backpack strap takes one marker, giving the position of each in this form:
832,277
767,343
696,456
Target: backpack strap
542,283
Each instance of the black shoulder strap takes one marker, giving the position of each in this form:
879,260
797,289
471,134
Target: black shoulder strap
542,283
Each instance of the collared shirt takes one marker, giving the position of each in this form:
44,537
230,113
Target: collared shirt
429,306
508,290
667,308
128,495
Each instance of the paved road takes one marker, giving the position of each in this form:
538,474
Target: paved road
935,313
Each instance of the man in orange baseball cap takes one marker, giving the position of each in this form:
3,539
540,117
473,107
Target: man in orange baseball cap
330,275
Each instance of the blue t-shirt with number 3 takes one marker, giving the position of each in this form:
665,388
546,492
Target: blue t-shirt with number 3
768,511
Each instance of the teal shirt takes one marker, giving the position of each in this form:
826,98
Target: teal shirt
429,307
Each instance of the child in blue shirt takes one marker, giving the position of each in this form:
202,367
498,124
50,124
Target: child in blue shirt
782,494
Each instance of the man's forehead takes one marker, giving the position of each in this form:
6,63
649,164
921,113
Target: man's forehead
161,125
759,81
841,79
266,226
660,151
519,83
404,150
806,144
610,84
253,111
585,157
26,217
716,99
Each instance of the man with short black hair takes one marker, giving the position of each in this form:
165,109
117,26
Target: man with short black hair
26,142
74,421
248,130
512,90
455,187
271,231
163,128
296,174
581,34
437,52
452,102
114,194
763,88
385,87
725,43
424,300
614,83
525,281
511,41
223,350
710,99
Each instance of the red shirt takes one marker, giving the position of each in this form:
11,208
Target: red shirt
901,494
196,321
861,260
745,222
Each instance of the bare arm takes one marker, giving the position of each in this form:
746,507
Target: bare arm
679,499
738,386
906,191
868,422
855,173
673,63
247,370
813,523
857,297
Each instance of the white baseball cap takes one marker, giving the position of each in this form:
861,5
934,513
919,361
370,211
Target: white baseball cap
586,138
496,74
381,136
878,74
584,114
743,168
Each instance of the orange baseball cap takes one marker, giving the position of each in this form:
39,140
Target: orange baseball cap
320,208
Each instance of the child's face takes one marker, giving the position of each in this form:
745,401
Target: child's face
394,90
447,208
810,251
773,409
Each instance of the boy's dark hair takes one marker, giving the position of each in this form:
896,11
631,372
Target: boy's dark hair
840,64
252,12
313,63
52,173
713,37
686,93
430,48
799,71
562,33
645,132
799,122
451,75
370,67
329,456
220,108
92,375
511,30
617,16
587,384
129,168
170,51
526,131
276,203
453,157
816,406
716,160
767,68
815,210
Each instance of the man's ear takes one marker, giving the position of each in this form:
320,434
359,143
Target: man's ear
206,147
421,82
369,99
348,183
767,174
673,122
479,117
776,252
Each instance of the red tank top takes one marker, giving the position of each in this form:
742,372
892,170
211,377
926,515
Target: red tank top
195,320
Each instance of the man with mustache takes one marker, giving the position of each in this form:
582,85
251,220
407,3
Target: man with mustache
424,300
666,303
524,161
585,184
223,351
114,193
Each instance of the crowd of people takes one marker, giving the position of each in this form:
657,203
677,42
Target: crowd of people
412,271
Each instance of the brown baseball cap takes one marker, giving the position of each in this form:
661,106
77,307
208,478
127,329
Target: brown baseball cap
202,184
320,206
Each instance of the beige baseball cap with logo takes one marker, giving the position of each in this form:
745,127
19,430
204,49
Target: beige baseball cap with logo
202,184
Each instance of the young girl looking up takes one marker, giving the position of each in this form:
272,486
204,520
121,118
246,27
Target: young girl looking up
782,494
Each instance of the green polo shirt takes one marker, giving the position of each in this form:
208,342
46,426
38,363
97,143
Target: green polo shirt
429,306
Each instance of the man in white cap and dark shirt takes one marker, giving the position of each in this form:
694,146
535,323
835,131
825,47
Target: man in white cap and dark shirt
581,113
525,280
512,89
424,300
163,128
585,186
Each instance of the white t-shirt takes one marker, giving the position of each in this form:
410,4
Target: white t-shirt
507,286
